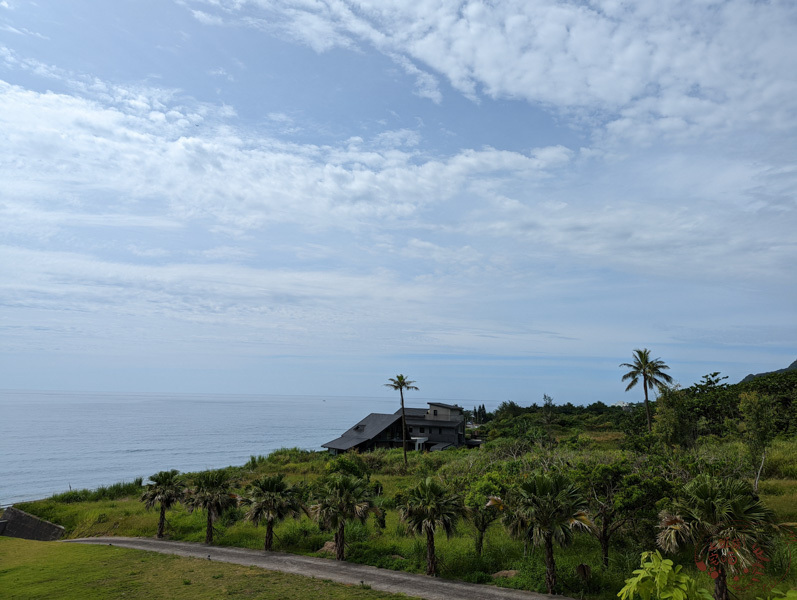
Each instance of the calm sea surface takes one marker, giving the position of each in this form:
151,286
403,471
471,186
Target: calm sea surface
50,441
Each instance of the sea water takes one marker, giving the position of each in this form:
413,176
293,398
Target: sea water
51,442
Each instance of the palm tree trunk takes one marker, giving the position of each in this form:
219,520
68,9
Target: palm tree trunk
761,468
403,428
162,521
431,558
605,549
721,585
479,542
340,541
209,530
647,404
269,536
550,565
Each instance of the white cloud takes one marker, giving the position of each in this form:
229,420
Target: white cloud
206,18
649,70
163,173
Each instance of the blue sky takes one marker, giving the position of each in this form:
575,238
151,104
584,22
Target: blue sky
499,200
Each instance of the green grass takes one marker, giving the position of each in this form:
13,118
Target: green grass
47,570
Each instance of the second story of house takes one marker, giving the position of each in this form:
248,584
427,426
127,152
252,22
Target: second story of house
438,411
440,423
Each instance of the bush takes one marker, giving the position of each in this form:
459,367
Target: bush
111,492
350,463
302,535
283,456
478,577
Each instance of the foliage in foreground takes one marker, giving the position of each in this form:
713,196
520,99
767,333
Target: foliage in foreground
661,578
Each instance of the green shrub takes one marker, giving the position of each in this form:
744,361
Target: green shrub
661,578
478,577
111,492
301,535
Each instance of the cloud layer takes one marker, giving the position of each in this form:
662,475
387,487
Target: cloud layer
137,217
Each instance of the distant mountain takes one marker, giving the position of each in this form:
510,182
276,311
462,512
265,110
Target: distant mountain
791,367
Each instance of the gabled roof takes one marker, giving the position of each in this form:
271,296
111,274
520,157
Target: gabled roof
367,429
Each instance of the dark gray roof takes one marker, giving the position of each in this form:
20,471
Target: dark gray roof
441,446
412,412
370,427
444,405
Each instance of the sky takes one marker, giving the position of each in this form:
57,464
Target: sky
499,200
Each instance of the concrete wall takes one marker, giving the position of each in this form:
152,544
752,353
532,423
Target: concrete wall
20,524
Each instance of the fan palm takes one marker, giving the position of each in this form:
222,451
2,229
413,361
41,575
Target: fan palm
211,493
342,498
426,507
724,521
401,383
651,372
166,489
270,499
551,506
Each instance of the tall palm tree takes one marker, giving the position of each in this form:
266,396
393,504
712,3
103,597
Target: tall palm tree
212,493
551,506
723,520
400,383
167,490
340,499
270,499
426,507
651,372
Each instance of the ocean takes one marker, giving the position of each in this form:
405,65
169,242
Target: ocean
53,441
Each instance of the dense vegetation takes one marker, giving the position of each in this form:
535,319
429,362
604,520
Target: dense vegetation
568,496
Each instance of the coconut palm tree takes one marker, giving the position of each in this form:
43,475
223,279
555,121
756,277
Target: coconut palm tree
651,372
167,490
551,506
426,507
400,383
212,493
724,521
342,498
270,499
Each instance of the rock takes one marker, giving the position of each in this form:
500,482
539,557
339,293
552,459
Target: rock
328,548
508,574
396,557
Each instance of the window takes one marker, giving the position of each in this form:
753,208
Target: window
410,429
435,412
421,429
440,430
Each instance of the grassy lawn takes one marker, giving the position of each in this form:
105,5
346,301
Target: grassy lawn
47,570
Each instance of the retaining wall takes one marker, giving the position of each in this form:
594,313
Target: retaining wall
20,524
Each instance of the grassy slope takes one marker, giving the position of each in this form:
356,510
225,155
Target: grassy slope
392,548
102,573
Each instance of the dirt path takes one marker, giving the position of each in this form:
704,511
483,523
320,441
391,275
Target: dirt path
321,568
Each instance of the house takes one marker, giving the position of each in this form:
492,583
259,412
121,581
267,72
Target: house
438,427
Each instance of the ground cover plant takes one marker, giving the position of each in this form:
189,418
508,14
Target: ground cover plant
627,476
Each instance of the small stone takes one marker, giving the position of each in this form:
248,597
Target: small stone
508,574
328,548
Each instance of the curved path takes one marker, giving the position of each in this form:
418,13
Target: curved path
397,582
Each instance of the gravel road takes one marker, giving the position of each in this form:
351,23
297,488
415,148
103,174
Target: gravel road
386,580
